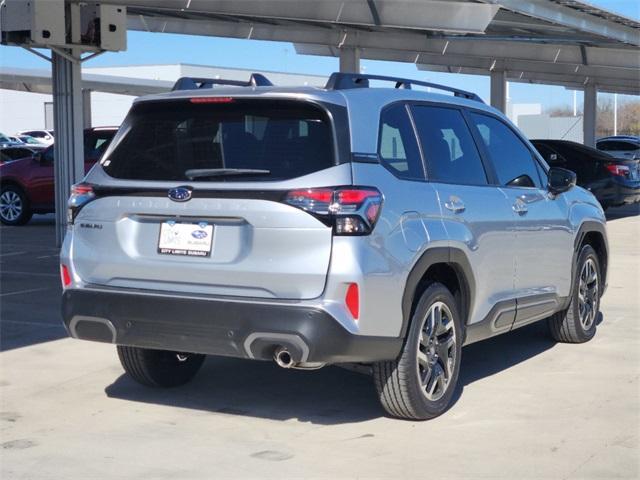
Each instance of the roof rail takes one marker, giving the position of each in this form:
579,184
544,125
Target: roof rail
195,83
343,81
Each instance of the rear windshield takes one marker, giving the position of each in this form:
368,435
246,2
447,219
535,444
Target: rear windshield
278,139
617,146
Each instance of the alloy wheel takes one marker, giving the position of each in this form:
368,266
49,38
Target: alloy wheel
588,294
10,206
436,351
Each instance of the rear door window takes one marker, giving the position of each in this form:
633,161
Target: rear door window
512,160
276,139
398,147
448,146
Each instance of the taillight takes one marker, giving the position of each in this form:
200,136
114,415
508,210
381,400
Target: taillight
352,300
65,276
349,210
81,194
618,170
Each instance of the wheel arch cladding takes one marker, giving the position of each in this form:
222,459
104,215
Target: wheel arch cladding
594,234
445,265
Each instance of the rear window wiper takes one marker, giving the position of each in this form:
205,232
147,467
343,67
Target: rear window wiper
194,173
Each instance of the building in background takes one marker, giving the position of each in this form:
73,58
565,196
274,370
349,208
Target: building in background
22,110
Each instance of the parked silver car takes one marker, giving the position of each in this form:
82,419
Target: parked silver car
315,226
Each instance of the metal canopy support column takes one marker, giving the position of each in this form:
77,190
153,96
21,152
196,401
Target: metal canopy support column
589,119
349,60
67,121
86,108
499,90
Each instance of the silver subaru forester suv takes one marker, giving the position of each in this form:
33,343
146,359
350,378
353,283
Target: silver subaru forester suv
348,224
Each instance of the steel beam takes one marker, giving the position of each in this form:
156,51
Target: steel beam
86,108
589,118
350,60
499,90
67,122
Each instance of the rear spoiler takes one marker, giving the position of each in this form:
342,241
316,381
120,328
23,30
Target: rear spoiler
195,83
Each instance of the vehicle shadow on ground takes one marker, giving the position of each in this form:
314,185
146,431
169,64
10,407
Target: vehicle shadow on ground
328,396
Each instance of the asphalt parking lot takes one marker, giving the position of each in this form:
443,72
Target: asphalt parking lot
527,407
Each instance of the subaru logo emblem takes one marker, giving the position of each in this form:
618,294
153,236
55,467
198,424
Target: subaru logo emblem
180,194
199,234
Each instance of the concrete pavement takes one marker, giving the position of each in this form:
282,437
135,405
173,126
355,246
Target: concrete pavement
527,408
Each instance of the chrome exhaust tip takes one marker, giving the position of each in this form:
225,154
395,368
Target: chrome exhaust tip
283,358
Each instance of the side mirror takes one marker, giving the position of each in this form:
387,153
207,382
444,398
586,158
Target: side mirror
560,180
37,157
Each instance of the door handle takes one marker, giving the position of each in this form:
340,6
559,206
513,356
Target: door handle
455,205
520,207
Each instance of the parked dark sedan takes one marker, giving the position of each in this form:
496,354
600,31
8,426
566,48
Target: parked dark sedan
27,184
614,181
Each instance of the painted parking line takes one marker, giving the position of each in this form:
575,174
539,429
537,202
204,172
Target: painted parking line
11,254
21,292
35,274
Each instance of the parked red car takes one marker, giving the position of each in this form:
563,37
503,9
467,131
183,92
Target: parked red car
26,184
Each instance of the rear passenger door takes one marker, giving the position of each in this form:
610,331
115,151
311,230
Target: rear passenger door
543,233
476,214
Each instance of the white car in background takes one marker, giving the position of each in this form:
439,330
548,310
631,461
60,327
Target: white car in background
43,136
626,147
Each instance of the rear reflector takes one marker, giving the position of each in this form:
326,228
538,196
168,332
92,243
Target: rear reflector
211,100
618,170
65,276
352,300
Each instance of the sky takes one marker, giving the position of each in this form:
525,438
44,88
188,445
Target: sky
153,48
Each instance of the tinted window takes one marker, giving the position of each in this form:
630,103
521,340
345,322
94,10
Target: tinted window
96,142
398,148
548,154
513,161
47,155
162,140
617,146
36,134
448,146
15,153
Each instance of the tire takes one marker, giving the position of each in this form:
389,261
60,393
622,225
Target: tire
14,206
159,368
577,324
399,383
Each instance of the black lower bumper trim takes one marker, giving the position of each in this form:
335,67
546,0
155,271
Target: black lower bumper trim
218,327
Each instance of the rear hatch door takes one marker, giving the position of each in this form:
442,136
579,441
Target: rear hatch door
189,199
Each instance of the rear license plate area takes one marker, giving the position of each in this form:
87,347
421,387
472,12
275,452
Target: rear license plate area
191,239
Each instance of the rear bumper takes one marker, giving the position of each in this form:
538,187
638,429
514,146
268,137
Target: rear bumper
218,327
621,193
